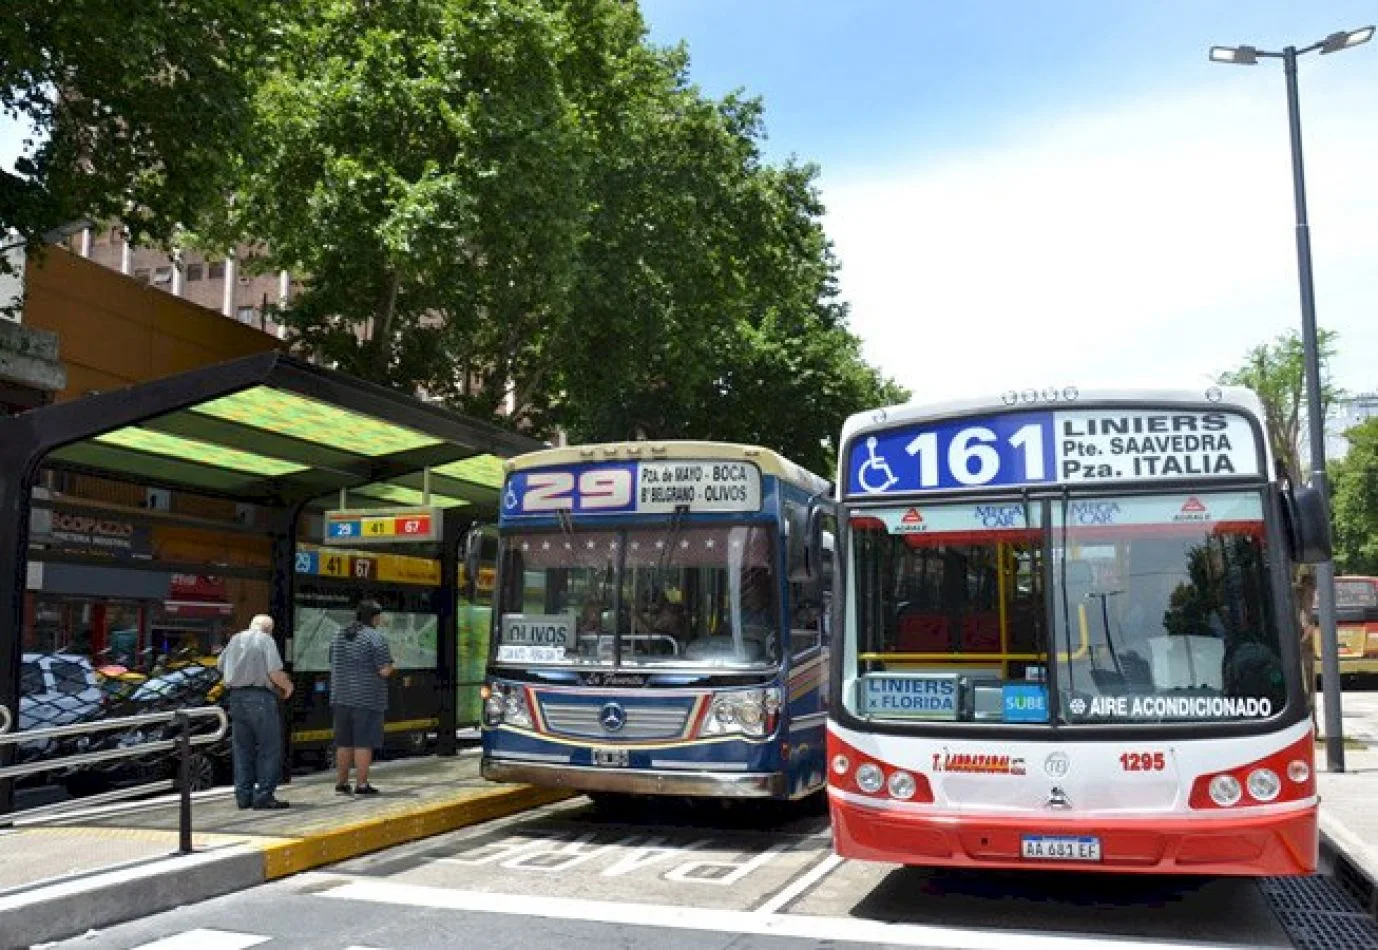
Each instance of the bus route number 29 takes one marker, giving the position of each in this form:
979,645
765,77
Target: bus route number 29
592,490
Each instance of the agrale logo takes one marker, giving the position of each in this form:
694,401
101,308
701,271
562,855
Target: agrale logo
911,523
1193,510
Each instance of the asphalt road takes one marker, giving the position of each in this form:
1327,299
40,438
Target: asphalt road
670,878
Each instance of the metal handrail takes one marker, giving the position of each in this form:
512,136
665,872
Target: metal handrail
6,720
107,725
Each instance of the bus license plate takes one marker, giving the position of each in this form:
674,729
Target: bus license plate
616,758
1053,848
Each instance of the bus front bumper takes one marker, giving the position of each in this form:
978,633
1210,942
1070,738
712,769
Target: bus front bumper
583,778
1277,844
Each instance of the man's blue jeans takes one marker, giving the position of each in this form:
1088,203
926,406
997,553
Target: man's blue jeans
257,739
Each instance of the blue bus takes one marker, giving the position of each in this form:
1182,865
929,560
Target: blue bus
661,623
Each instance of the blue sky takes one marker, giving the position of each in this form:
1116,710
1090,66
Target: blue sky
1034,192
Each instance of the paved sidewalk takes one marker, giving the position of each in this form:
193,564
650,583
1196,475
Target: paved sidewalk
90,871
1349,800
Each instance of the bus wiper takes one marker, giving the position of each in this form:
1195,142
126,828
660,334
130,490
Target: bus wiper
676,525
1066,605
566,522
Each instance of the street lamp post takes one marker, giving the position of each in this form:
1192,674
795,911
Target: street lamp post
1325,572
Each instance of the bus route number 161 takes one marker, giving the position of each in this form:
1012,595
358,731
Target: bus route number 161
974,456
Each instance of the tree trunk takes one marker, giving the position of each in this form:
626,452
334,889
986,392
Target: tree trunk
385,313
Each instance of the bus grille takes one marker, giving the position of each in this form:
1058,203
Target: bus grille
644,721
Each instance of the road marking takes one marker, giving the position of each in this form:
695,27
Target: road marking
202,939
837,929
800,885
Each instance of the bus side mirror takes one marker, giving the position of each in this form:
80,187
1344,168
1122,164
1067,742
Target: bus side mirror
805,528
1307,525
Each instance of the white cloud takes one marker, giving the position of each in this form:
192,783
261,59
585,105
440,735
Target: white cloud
1151,243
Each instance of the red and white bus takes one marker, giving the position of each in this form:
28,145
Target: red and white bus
1068,637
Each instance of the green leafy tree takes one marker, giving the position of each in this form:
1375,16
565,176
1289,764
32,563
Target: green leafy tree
137,109
522,203
1354,502
1276,371
414,161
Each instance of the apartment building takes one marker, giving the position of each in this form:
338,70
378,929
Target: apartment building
217,283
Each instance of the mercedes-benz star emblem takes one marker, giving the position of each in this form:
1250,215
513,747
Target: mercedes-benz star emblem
613,717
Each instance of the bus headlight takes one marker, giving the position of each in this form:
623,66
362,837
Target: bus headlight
514,708
901,785
1264,784
747,712
869,778
505,704
1298,771
1225,790
493,708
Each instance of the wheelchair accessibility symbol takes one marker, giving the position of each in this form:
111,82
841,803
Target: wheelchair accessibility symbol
874,474
509,498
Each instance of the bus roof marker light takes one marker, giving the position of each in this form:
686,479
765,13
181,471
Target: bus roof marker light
1050,394
1010,397
1029,395
879,416
1214,394
1071,393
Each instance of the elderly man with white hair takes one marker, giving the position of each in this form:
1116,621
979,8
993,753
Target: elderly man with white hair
250,668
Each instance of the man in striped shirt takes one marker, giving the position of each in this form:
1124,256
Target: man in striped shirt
360,664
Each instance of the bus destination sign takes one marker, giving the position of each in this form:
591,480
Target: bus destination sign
1084,446
382,526
652,487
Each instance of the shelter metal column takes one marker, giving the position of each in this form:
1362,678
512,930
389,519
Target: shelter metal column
282,605
16,485
447,634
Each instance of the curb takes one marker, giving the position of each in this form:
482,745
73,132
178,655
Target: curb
1349,863
67,908
294,855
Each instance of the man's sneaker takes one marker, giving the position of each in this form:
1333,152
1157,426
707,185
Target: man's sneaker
365,790
343,789
272,804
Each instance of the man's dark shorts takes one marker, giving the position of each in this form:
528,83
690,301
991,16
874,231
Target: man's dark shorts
358,728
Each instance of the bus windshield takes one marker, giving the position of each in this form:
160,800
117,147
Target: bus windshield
644,596
1161,611
1164,610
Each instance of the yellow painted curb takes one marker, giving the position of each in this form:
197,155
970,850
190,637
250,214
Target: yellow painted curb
292,856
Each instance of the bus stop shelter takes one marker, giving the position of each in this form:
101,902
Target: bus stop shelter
268,430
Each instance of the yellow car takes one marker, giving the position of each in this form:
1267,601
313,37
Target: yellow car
1356,621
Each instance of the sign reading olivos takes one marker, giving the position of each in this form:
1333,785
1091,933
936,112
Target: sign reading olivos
535,637
657,487
1075,446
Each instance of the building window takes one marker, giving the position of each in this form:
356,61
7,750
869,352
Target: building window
163,275
142,275
194,271
217,270
245,314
